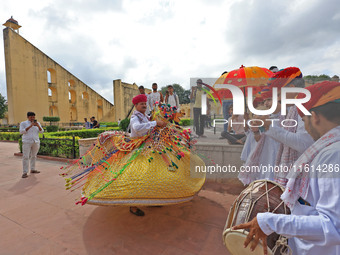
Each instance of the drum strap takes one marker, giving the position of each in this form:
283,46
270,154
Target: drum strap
282,246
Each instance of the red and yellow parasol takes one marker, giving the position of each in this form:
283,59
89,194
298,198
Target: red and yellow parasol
253,76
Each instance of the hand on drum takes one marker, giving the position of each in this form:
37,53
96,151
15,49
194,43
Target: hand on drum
255,233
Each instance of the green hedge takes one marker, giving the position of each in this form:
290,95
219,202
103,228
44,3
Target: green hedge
51,119
186,122
124,124
52,128
58,147
10,136
9,129
83,133
108,124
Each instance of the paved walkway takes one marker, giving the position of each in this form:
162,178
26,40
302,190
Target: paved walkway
38,216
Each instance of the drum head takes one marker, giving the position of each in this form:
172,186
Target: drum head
234,240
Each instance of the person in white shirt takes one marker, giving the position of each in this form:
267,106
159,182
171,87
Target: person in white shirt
313,189
172,98
196,98
30,130
154,96
87,124
294,140
263,154
140,125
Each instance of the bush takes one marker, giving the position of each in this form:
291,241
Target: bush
51,128
57,147
108,124
51,119
124,124
83,133
10,136
186,122
9,129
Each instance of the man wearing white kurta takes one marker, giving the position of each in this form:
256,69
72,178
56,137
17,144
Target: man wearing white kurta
294,139
313,190
140,125
30,130
262,154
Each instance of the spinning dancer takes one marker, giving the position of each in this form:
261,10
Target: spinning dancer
152,167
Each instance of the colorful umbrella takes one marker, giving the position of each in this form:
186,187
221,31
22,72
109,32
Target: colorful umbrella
253,76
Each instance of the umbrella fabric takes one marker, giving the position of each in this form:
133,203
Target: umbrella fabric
253,76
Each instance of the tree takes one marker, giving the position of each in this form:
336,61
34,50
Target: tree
51,128
3,107
183,95
316,78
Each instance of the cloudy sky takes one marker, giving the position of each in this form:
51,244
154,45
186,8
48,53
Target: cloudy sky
167,41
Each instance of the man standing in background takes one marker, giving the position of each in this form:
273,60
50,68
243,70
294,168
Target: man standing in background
154,96
30,130
172,98
87,124
199,119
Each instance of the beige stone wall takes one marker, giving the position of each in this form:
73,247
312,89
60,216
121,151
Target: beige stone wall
35,82
123,94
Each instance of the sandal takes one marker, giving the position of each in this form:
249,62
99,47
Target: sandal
35,171
24,175
138,212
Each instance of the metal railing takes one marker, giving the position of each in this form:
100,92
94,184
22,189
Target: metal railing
59,147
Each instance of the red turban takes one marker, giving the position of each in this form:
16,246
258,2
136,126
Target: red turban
321,93
139,98
283,77
257,100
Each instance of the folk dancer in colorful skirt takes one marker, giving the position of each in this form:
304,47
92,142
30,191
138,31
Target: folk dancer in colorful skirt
154,166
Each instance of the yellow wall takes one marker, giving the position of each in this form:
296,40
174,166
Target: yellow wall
123,94
28,84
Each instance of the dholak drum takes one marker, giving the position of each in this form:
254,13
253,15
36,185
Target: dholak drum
260,196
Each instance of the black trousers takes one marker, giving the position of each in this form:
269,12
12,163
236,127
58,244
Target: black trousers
199,121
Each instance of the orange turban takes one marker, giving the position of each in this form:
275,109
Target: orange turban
283,77
321,93
139,98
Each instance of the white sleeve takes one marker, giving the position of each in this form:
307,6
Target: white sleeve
323,228
137,126
177,102
42,130
298,141
22,128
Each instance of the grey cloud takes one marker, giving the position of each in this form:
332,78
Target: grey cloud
262,27
58,15
55,19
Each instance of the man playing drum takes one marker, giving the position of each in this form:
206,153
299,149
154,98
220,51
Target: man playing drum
294,140
313,188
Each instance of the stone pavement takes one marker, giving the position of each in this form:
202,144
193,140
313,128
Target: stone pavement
38,216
